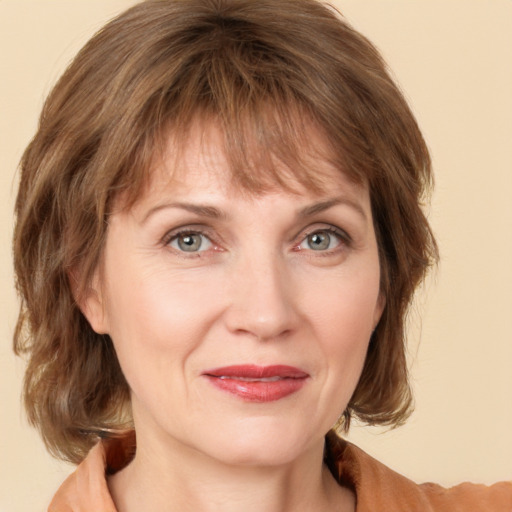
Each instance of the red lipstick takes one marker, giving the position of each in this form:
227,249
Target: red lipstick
258,383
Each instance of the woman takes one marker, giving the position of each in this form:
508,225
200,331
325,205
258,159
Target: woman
218,235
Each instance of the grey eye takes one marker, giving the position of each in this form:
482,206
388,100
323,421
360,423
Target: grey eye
321,240
190,242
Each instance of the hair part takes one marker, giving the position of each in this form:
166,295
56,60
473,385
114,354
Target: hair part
262,71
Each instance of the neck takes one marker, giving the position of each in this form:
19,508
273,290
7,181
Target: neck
167,477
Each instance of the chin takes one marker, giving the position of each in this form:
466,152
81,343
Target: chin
258,444
261,455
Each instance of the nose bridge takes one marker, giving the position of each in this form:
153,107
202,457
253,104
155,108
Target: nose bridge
262,301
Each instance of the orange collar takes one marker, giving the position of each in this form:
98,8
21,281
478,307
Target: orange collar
377,487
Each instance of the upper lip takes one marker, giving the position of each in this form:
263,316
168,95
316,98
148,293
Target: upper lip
251,371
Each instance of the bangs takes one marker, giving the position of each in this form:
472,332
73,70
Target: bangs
266,102
276,145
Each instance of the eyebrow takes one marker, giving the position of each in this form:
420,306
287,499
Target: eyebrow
198,209
214,213
316,208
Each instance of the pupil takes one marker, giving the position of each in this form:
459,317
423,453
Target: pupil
190,243
319,241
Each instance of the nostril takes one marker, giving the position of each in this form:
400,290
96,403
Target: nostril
278,325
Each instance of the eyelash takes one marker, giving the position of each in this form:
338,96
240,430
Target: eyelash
176,234
342,236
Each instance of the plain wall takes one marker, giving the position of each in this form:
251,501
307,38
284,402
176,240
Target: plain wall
453,59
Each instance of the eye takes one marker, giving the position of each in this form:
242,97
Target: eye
322,240
190,241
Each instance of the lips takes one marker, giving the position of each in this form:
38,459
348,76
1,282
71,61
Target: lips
258,383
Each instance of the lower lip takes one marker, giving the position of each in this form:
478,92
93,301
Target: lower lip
258,391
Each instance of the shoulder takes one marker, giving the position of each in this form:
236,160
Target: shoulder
469,497
86,489
378,487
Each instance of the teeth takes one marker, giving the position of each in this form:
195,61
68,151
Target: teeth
252,379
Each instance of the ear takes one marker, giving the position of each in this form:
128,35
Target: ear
90,300
379,309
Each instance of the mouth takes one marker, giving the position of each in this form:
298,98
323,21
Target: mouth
258,383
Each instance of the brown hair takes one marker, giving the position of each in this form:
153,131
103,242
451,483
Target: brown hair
259,69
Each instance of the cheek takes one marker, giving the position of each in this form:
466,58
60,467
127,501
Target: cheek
156,320
343,321
346,306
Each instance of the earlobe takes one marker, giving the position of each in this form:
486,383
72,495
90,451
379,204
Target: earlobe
90,301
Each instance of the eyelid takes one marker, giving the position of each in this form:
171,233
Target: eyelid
187,228
325,226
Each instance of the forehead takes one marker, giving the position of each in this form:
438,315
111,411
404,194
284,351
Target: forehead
203,157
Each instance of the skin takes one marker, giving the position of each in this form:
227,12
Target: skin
273,282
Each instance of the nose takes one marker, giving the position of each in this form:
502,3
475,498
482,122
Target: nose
262,302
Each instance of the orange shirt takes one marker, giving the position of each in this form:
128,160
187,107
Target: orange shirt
377,488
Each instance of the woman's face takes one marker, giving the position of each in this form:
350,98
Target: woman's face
241,322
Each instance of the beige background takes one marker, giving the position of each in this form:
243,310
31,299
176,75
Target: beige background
454,60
